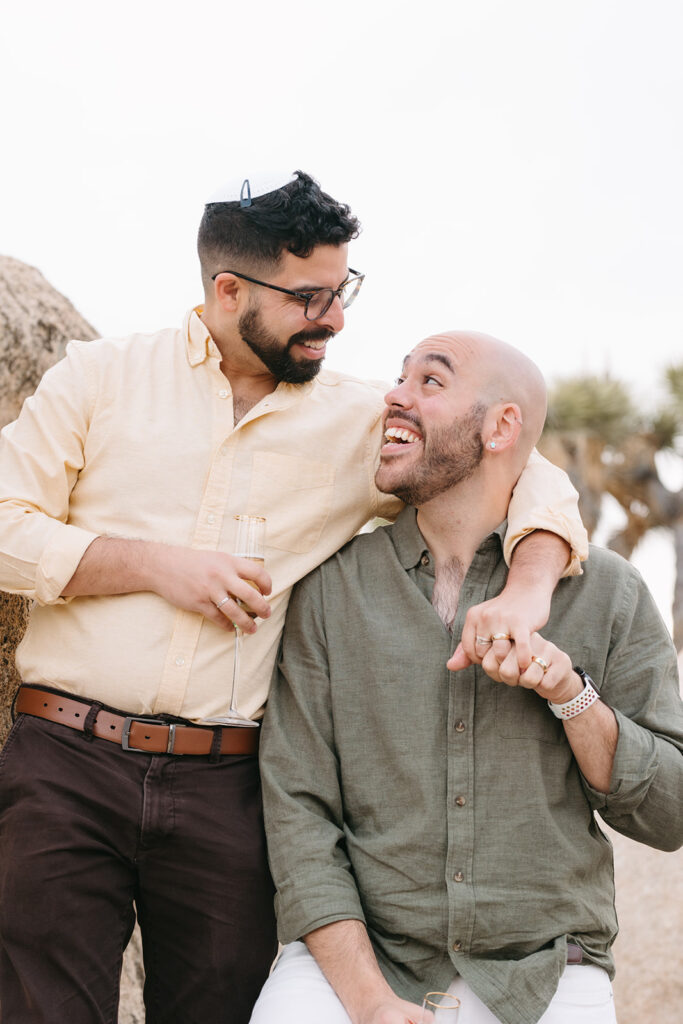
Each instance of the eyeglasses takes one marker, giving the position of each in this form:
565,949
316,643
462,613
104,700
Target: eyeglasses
318,302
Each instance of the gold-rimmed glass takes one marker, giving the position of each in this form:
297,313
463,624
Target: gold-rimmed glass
444,1007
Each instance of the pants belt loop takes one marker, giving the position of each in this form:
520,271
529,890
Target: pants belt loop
89,723
215,753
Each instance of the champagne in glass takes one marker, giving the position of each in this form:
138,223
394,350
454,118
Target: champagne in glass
251,531
444,1007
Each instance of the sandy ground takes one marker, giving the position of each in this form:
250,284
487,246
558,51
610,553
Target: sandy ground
648,987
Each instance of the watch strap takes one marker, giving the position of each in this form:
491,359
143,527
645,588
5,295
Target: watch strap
580,703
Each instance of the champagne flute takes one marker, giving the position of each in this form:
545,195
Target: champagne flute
249,544
444,1007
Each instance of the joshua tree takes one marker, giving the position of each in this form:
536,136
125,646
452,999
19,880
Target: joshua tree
609,446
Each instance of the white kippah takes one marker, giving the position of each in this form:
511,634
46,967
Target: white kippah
243,190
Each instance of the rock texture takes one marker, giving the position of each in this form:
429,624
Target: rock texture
36,322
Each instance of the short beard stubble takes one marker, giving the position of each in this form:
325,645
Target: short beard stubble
451,455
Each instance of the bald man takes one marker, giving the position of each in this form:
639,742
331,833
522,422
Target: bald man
430,830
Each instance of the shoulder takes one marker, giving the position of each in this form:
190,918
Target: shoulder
607,565
359,559
614,591
336,386
115,349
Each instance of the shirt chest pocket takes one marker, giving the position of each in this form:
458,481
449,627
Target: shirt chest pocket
521,714
295,495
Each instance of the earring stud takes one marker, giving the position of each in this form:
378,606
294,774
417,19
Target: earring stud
492,444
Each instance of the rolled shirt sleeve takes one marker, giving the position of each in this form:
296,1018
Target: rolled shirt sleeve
41,454
544,499
640,684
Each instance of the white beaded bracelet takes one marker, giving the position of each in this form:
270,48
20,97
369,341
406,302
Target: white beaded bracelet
577,704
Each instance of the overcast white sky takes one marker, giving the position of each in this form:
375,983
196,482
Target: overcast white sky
517,166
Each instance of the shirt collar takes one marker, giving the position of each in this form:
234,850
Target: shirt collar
198,342
410,545
200,346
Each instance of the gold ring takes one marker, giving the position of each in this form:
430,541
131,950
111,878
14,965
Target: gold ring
500,636
484,640
542,662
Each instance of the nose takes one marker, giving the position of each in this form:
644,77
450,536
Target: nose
398,396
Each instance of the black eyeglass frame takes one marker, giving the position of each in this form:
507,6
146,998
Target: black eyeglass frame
307,297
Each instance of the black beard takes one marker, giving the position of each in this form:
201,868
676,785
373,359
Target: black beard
276,356
451,455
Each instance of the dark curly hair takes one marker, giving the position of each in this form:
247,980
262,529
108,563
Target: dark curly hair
295,218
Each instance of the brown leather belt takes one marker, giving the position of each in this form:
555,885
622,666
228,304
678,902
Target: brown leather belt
135,732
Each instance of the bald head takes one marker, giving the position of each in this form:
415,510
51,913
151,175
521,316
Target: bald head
496,372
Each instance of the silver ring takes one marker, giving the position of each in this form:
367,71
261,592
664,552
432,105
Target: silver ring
541,662
500,636
220,604
484,640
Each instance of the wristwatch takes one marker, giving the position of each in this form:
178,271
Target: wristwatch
581,702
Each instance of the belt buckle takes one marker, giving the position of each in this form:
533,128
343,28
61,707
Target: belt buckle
125,733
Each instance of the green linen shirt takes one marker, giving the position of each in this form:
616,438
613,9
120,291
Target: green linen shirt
445,810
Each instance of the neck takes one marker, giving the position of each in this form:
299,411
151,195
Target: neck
250,381
456,522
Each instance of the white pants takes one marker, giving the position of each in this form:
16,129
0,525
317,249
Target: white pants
297,992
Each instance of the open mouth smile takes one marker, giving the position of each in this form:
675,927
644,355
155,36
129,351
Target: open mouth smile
397,438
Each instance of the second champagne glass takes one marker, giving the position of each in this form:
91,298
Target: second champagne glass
444,1007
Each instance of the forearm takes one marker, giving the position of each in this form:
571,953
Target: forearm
593,737
113,565
192,579
537,565
345,955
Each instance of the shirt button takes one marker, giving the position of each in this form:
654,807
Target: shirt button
460,801
457,946
459,877
424,560
211,518
180,662
223,393
460,726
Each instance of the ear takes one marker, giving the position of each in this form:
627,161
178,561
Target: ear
505,429
227,290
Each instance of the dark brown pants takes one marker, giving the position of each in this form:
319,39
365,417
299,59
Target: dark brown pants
87,831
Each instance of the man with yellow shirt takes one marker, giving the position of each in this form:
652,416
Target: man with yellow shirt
119,484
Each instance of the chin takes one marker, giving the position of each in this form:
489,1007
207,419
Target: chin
385,482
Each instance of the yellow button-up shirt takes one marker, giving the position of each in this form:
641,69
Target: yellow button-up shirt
136,438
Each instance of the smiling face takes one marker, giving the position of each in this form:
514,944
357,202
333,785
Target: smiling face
433,422
274,325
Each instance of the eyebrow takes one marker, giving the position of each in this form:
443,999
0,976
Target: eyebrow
320,287
432,357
